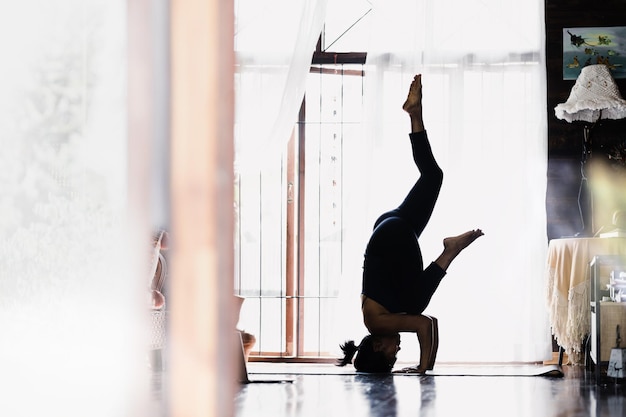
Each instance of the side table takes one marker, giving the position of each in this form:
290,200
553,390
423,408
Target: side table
605,315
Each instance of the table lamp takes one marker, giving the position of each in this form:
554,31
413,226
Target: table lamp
594,96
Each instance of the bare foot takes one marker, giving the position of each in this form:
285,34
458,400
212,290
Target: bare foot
413,103
456,244
452,246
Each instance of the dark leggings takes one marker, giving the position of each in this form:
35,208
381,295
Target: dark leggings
393,270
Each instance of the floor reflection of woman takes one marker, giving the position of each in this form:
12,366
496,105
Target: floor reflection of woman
396,287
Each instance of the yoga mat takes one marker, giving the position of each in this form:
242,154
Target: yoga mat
494,370
263,368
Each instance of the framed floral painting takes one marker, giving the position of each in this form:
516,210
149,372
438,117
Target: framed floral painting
584,46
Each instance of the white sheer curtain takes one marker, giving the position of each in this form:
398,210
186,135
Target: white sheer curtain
484,98
274,42
484,89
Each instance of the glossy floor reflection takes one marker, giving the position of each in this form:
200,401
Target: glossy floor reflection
576,394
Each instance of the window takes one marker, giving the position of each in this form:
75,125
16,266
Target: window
289,217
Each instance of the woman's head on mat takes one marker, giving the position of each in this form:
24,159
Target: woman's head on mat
374,354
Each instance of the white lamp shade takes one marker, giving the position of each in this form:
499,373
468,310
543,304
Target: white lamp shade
594,96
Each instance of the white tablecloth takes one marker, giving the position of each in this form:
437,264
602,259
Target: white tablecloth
568,287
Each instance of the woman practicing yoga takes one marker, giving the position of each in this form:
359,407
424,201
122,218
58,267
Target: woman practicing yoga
396,287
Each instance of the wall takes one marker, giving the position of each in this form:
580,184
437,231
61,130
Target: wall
565,139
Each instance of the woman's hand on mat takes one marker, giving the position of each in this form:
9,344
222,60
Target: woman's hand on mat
411,370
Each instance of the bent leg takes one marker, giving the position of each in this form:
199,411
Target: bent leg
419,290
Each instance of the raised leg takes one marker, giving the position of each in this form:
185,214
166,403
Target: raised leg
419,203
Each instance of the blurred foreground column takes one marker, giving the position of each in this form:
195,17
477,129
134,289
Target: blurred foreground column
202,362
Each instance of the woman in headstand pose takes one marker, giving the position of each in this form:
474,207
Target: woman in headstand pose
396,287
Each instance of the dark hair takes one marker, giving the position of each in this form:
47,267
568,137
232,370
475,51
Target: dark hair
367,360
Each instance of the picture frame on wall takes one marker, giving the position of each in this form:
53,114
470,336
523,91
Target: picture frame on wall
584,46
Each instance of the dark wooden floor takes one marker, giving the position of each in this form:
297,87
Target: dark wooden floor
576,394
